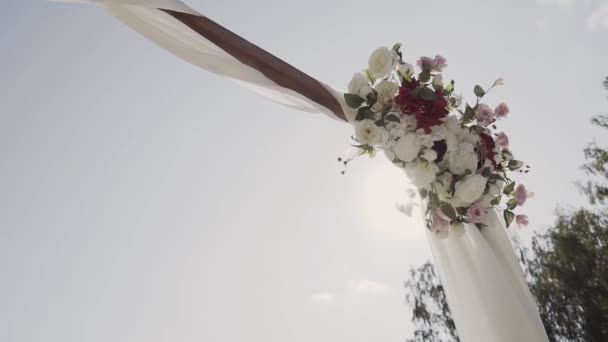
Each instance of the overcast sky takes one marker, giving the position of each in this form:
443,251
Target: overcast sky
145,200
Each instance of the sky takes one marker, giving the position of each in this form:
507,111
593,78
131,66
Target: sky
143,199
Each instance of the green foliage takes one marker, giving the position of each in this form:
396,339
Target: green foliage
568,274
478,90
432,316
353,101
596,167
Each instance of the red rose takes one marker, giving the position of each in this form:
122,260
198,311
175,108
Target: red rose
428,112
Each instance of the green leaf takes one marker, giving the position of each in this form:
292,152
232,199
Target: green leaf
511,204
469,114
509,188
479,92
486,172
353,101
427,94
496,177
448,210
514,165
372,98
424,76
423,193
496,200
509,217
462,211
434,199
393,118
364,113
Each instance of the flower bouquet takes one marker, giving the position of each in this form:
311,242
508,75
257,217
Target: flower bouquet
454,154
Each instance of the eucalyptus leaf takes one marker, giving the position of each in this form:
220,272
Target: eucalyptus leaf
424,76
509,217
497,177
353,101
486,172
427,94
365,113
469,114
448,210
511,204
392,117
434,199
423,193
509,188
495,200
372,98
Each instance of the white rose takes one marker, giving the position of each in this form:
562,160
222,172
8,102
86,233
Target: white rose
359,85
429,155
453,125
381,62
463,159
406,70
471,188
408,147
439,133
386,93
421,174
452,141
368,133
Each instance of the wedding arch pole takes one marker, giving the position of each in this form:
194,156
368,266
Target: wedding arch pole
485,286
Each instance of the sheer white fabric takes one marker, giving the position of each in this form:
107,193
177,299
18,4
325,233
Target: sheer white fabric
485,286
145,17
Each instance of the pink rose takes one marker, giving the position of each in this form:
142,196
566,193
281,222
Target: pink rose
485,115
476,213
440,63
502,140
520,194
502,110
521,220
426,63
432,64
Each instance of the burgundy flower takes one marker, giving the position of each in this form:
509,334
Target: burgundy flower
441,147
429,112
486,149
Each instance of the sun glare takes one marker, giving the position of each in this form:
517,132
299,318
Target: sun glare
384,187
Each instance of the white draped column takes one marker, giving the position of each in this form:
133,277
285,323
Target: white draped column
484,285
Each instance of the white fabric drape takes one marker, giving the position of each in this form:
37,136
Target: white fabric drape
145,17
485,286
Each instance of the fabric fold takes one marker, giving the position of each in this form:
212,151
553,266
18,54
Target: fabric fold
485,286
197,39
